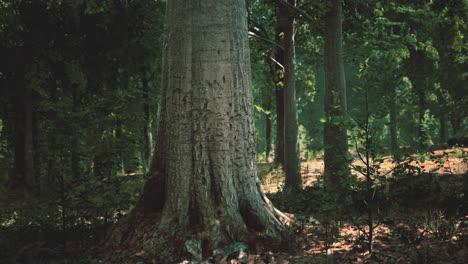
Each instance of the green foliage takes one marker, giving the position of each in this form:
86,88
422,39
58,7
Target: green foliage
81,211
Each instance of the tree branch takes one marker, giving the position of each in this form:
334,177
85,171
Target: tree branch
253,34
296,10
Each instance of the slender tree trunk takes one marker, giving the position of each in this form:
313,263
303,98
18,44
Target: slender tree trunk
279,94
456,125
443,127
418,81
75,155
148,143
119,147
422,137
393,120
335,133
443,131
204,166
291,144
267,135
24,144
29,142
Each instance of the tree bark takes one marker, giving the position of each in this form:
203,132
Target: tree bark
291,145
335,133
204,166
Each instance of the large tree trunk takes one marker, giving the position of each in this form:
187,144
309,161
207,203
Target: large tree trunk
335,133
204,164
291,146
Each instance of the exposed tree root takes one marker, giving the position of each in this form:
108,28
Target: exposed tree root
140,237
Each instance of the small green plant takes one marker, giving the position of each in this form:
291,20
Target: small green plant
442,227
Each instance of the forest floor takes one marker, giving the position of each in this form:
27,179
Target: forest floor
429,224
444,162
419,232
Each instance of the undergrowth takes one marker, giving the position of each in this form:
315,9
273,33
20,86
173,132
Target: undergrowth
54,226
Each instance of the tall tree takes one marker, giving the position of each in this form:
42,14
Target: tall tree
204,166
335,133
291,144
279,95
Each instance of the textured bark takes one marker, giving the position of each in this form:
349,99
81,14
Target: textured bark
335,134
291,144
204,164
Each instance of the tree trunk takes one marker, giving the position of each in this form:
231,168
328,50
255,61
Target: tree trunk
23,170
118,145
291,144
335,133
267,135
442,127
75,146
279,94
418,81
204,182
442,112
422,137
393,120
148,143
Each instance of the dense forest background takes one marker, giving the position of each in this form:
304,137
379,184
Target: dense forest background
80,91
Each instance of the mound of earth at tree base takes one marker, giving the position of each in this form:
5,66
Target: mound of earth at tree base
138,239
